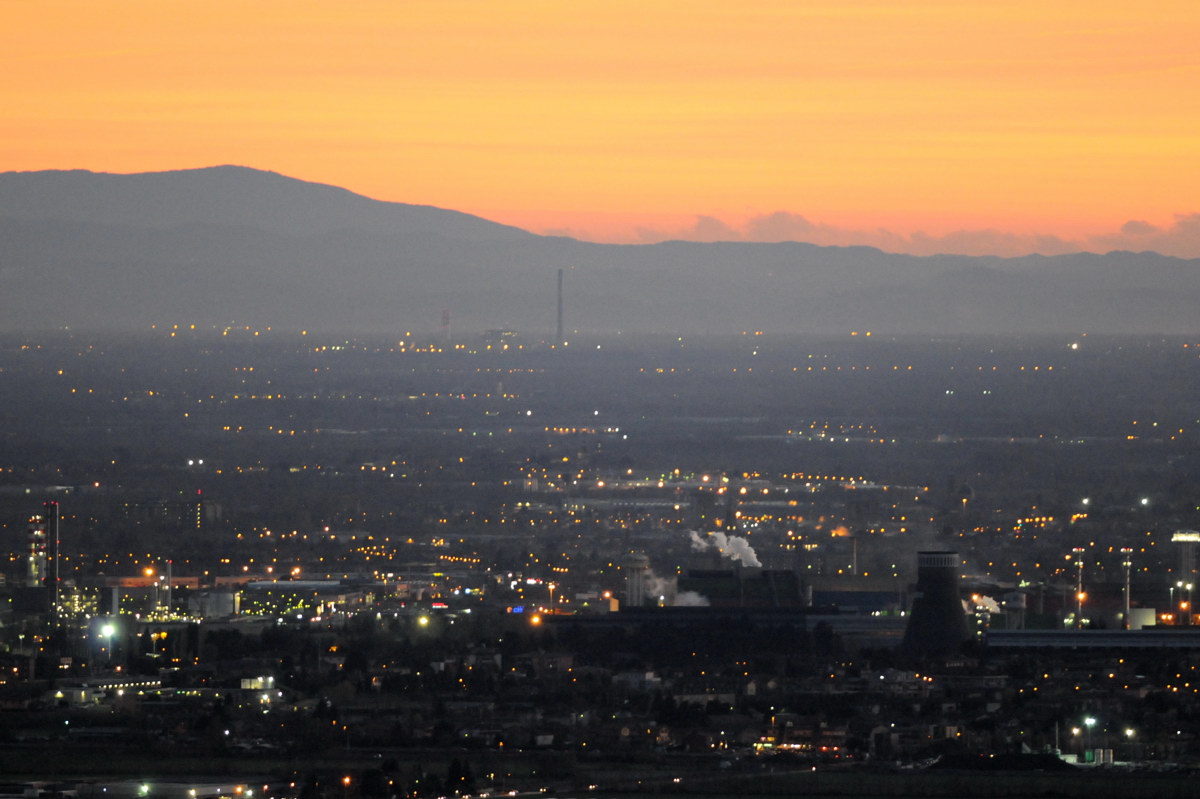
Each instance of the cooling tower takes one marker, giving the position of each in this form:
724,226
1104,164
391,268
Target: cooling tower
937,624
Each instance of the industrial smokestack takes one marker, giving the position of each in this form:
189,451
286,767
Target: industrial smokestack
937,625
50,515
559,338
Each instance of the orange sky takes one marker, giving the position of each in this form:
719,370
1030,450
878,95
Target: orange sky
890,123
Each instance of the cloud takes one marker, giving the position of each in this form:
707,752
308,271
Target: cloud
1180,238
1138,227
784,226
779,226
704,228
709,228
989,242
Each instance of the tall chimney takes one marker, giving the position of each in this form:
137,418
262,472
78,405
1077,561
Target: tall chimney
50,514
559,338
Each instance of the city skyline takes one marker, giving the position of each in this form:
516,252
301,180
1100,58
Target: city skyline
913,128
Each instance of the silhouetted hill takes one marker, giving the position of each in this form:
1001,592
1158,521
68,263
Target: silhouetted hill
224,196
234,245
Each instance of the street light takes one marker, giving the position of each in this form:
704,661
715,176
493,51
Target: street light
107,631
162,587
1079,595
149,572
1089,722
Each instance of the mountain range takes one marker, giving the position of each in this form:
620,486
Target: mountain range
232,245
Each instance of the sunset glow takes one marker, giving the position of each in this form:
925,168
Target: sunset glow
918,126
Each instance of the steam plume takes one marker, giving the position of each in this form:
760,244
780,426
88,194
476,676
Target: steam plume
732,547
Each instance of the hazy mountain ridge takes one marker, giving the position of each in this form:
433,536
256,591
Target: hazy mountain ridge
225,196
230,244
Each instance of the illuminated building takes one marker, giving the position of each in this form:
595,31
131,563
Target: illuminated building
36,570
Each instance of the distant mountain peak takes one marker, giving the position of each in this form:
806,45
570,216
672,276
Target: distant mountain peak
226,195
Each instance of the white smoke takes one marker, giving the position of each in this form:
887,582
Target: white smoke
657,588
730,546
690,599
981,602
